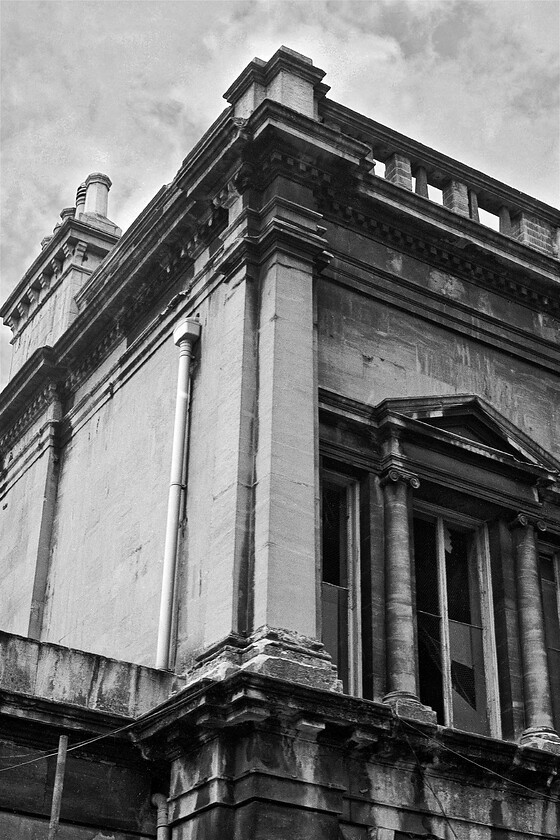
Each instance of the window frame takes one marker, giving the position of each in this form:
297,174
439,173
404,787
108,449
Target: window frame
479,529
354,618
552,553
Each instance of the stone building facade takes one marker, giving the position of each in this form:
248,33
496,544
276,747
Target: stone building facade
280,485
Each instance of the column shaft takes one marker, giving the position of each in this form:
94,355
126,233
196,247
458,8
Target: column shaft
538,709
401,658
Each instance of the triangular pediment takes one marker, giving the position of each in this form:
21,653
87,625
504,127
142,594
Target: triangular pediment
469,418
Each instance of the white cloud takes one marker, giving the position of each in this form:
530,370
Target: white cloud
128,87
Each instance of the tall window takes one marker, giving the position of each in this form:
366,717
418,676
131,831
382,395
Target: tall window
456,653
340,578
549,564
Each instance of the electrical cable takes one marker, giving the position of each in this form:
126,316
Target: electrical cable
427,782
534,793
77,746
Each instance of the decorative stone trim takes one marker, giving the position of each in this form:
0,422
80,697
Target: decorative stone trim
45,397
81,371
528,220
395,475
524,520
503,283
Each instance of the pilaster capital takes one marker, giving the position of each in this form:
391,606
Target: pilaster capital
394,475
526,520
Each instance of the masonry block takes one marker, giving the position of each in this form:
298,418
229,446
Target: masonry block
533,231
456,197
398,171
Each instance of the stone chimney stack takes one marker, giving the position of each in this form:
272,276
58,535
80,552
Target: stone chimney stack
47,299
97,194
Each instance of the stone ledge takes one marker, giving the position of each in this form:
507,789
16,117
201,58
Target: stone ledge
65,675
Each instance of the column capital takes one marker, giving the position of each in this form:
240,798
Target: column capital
394,475
526,520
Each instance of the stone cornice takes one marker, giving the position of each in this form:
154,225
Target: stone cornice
72,239
348,194
456,230
536,289
317,140
340,721
324,143
28,394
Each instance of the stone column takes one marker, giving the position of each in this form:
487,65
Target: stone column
397,170
539,730
422,182
402,678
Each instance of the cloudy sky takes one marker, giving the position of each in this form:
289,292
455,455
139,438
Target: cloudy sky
127,87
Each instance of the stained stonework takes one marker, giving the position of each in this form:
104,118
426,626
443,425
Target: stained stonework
334,529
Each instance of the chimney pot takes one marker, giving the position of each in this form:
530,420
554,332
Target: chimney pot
80,199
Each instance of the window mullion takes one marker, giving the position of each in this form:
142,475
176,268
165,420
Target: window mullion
445,644
354,597
556,569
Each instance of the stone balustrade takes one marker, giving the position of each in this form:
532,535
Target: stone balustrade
462,190
462,198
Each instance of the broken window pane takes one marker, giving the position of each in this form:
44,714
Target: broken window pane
448,608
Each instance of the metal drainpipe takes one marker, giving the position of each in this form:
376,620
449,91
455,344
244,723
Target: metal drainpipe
185,335
162,820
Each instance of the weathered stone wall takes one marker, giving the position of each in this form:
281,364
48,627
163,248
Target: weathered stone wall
63,675
347,768
370,350
21,522
101,799
29,481
104,585
219,469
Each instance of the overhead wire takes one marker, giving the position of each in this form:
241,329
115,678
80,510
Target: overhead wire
77,746
426,780
443,746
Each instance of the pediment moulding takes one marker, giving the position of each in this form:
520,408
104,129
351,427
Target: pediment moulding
472,431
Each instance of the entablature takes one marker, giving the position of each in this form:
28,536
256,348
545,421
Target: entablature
340,173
